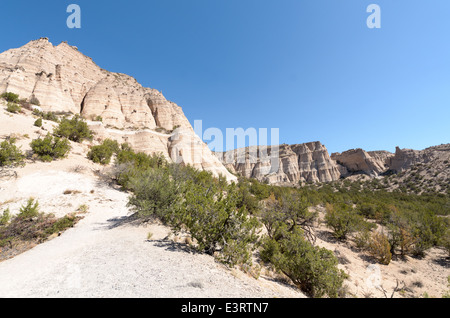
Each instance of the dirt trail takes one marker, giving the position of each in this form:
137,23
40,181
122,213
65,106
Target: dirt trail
106,256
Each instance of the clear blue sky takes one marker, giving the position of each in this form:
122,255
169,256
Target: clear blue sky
311,68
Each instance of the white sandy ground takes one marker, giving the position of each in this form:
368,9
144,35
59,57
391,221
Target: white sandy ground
104,256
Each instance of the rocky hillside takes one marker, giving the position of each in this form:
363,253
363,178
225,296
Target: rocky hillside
407,169
61,79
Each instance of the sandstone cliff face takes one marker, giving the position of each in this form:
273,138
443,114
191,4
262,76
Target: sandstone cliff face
406,158
372,163
65,80
290,164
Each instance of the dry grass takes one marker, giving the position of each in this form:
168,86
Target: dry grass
68,191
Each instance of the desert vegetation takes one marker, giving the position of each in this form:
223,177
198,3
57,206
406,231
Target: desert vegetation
50,148
57,145
10,97
74,129
10,154
248,221
29,227
103,153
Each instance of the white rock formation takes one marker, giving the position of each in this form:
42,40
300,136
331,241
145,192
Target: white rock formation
64,80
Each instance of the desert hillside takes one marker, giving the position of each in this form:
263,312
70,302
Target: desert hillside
106,191
410,170
109,253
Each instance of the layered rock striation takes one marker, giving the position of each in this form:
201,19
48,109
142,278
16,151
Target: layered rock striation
309,162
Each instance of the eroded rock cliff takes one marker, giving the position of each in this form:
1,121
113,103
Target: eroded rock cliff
372,163
62,79
309,162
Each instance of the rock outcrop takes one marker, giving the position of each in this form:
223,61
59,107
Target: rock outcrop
291,164
406,158
64,80
372,163
310,163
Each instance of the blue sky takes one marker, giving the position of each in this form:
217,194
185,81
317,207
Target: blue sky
311,68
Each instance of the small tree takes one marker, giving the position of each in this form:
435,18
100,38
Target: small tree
343,219
289,249
400,236
35,101
198,204
291,208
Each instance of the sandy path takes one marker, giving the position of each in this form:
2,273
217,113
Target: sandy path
106,257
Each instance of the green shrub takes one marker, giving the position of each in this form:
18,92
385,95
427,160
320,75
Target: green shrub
414,232
362,238
75,129
140,160
13,108
259,190
211,216
103,153
38,122
368,210
10,97
313,269
130,163
46,116
30,210
400,234
10,155
5,217
50,148
61,224
35,101
195,202
154,194
288,245
247,199
32,226
445,241
289,210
